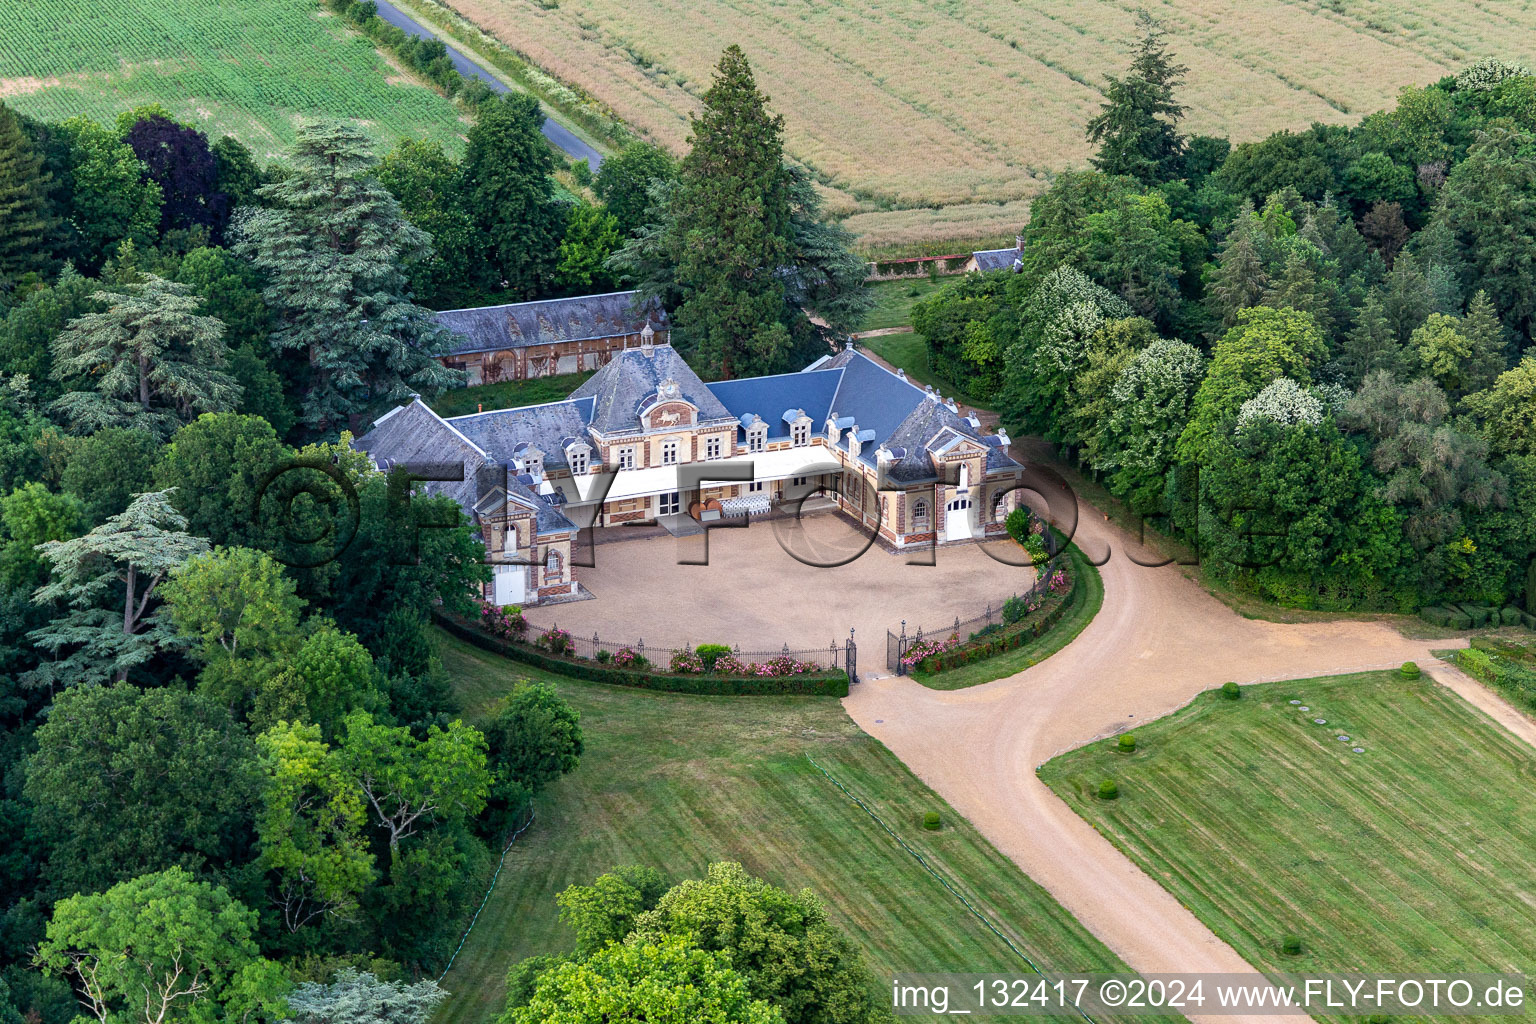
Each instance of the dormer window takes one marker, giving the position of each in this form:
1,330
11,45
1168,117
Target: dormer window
800,433
757,437
578,460
535,466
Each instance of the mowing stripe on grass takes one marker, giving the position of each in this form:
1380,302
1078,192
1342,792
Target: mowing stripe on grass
942,880
488,890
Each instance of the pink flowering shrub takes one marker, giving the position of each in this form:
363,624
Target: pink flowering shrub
555,641
729,665
628,657
927,648
506,622
1059,581
782,665
686,663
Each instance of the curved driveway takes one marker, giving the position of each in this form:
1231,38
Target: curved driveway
1159,640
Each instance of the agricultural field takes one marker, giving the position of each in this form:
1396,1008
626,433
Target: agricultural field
934,121
677,782
252,69
1413,854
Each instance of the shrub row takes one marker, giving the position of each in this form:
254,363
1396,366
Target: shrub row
428,57
1006,638
1473,616
830,683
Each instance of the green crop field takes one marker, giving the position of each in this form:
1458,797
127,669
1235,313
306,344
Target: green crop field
934,121
251,69
1412,856
678,781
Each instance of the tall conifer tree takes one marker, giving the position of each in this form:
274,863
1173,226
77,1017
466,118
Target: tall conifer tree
731,233
1137,127
24,220
334,246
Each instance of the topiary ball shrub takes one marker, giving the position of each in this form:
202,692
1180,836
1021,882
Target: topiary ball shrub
1108,790
709,653
1231,691
1126,743
931,821
1410,670
1290,945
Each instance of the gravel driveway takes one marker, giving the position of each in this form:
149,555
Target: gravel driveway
756,595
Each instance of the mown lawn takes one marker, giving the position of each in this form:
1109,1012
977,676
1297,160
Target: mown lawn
1413,856
677,782
894,301
508,394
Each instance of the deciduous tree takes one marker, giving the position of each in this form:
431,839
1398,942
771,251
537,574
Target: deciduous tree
410,783
624,182
792,957
126,781
506,190
310,827
161,949
673,982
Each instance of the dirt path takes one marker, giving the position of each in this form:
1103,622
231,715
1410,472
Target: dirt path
1158,641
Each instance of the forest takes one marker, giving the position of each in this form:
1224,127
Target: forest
1307,357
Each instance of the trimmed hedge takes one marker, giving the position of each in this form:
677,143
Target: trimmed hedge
1000,639
831,683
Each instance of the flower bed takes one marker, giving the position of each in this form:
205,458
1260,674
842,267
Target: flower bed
780,675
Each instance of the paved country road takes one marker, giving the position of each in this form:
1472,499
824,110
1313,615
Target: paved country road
1159,640
555,132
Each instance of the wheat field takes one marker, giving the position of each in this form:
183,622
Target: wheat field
930,121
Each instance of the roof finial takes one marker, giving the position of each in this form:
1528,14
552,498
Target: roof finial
848,343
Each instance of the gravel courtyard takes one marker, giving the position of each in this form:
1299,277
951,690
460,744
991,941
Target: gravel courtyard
754,594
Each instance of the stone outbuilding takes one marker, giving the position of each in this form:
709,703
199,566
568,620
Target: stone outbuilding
552,336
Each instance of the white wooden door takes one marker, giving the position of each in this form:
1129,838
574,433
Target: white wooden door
511,584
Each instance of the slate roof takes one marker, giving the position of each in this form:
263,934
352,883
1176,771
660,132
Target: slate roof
773,397
995,259
629,380
902,417
546,427
415,435
579,318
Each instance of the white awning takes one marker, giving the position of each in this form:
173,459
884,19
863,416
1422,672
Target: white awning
776,465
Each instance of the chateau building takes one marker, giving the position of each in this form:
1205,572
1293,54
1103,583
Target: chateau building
845,432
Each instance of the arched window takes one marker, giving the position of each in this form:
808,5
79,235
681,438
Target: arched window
1000,507
552,564
920,521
